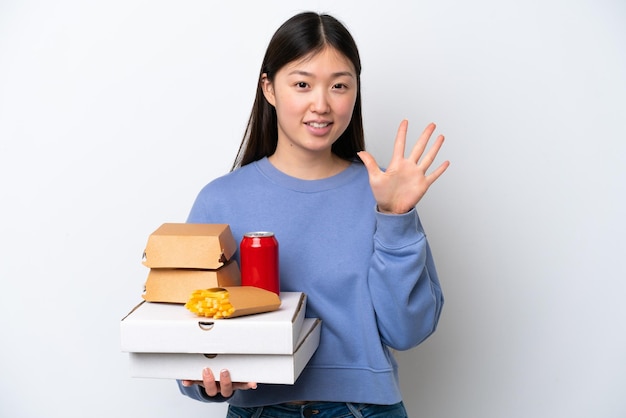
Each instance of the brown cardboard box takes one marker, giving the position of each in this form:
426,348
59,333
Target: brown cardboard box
196,246
176,285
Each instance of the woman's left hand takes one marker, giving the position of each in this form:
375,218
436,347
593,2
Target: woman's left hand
398,189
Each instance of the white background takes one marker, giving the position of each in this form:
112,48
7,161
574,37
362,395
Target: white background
113,114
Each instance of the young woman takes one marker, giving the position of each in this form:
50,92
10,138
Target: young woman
350,237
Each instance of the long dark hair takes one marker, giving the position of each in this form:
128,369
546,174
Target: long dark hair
303,34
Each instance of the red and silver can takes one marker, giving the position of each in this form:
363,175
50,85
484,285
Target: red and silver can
258,260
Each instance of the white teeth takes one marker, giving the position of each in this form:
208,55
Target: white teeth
318,125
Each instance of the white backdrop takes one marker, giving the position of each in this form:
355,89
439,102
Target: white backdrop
114,114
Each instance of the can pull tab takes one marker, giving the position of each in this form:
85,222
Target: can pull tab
206,325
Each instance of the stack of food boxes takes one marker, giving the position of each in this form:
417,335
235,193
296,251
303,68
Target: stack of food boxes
186,257
166,340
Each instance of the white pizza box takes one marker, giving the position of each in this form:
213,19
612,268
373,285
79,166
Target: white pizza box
153,327
260,368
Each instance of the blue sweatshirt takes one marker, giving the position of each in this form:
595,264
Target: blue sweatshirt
369,276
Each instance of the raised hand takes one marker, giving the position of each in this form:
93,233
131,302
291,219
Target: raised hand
398,189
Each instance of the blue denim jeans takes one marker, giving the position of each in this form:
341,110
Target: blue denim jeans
320,410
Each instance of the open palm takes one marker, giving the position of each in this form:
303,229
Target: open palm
403,184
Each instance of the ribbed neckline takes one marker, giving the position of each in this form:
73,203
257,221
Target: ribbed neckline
306,186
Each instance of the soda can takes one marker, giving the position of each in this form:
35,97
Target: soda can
259,261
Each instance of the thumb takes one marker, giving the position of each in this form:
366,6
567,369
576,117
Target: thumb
368,161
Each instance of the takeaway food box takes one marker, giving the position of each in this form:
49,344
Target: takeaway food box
171,328
260,368
194,246
174,285
184,257
168,341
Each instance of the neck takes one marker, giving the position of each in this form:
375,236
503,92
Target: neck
310,167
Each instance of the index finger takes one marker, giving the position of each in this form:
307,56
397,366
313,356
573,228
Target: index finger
400,142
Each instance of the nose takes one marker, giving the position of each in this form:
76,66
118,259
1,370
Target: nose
319,102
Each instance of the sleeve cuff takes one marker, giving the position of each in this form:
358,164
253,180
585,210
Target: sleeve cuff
398,230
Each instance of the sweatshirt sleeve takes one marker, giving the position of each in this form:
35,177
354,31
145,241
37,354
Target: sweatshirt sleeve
403,282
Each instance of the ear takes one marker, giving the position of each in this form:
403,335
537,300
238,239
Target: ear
268,89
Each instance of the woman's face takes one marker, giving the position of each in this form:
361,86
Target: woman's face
314,98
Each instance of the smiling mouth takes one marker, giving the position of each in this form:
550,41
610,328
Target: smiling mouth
318,124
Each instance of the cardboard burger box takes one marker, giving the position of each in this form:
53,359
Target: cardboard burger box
175,285
194,246
171,328
260,368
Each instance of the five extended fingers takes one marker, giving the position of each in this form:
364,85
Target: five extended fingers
419,158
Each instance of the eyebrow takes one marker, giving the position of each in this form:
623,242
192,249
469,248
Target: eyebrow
337,74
